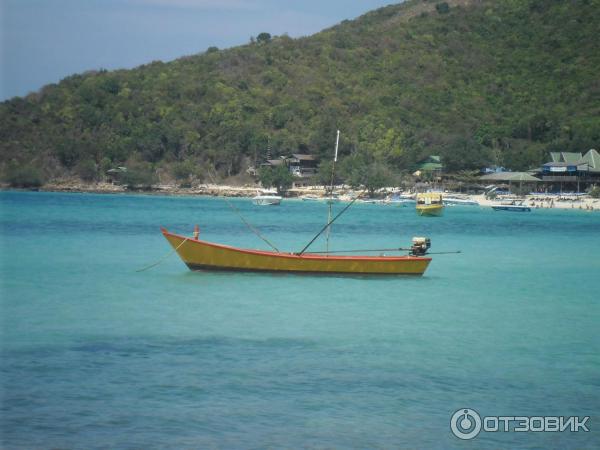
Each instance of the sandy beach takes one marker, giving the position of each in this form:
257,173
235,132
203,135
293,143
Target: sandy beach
545,201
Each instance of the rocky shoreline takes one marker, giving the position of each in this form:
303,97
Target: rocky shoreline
213,190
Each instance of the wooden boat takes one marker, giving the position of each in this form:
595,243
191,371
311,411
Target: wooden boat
430,204
203,255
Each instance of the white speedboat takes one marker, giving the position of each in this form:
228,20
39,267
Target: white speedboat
310,198
511,206
314,198
267,199
460,201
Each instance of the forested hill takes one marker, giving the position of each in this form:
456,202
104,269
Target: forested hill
475,81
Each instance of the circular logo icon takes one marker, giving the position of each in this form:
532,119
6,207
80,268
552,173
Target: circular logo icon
465,423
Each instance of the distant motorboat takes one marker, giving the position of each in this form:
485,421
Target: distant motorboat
430,204
267,199
511,206
460,201
400,200
310,198
314,198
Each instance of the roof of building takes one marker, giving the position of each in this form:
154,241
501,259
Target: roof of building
592,158
430,164
275,162
565,157
590,162
509,176
303,157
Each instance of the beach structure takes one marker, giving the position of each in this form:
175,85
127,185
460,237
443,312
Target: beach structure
430,167
571,171
299,164
302,165
519,178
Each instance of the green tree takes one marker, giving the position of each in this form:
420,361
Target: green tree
87,170
24,176
140,177
278,177
442,8
263,38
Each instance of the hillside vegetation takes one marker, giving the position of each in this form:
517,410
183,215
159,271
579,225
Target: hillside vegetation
477,82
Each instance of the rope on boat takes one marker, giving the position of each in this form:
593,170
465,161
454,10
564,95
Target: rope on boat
327,226
164,257
237,211
254,230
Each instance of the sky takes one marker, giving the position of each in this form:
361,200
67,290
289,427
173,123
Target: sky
44,41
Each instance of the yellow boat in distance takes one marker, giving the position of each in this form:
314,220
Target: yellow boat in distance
203,255
430,204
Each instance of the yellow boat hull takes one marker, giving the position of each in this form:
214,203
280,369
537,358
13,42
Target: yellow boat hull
202,255
430,210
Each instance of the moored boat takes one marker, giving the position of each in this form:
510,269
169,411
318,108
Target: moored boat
460,201
511,206
430,204
202,255
266,199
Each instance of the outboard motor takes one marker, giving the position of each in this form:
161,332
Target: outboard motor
420,246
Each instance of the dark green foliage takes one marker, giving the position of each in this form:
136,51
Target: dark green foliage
263,37
87,170
24,176
477,82
278,177
372,177
185,170
442,8
141,177
595,192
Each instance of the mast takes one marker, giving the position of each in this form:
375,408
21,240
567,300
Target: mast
330,201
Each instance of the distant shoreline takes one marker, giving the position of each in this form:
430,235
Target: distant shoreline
539,201
204,190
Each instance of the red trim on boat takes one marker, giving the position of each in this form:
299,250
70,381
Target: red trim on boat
204,267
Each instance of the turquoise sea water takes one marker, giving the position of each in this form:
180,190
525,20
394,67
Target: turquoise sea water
95,355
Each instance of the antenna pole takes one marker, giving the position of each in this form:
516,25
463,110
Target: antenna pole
330,201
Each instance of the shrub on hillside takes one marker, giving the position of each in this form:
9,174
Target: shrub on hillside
442,8
87,170
26,176
139,178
